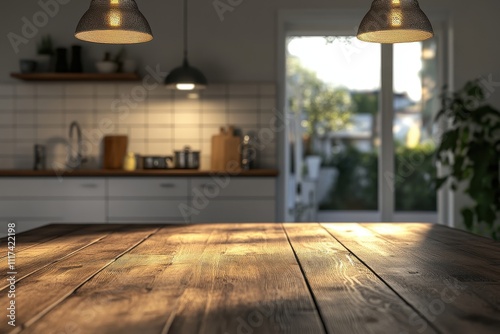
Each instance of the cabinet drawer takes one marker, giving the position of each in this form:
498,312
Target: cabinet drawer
52,187
233,187
148,187
145,210
53,211
238,211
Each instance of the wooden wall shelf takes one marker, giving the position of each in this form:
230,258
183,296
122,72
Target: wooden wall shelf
76,76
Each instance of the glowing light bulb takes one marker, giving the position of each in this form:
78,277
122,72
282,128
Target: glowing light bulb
115,2
115,19
396,15
185,86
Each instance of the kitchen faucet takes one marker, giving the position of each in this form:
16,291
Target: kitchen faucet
75,162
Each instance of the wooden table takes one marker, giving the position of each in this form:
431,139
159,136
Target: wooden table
253,278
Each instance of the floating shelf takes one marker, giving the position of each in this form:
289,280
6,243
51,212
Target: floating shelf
76,76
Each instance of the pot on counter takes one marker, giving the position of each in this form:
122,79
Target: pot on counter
187,159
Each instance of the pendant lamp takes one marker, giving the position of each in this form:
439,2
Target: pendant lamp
113,22
186,77
395,21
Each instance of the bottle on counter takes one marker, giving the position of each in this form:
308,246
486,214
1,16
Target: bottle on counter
248,152
130,162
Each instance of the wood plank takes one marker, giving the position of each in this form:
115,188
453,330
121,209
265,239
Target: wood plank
350,297
33,259
196,279
38,236
480,273
39,293
451,305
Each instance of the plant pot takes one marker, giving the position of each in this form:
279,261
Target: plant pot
106,66
313,163
27,66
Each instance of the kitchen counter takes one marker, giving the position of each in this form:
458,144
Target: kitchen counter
141,173
253,278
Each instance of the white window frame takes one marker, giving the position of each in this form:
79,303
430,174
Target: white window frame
338,22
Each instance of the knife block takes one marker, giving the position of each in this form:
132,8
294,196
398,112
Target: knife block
226,155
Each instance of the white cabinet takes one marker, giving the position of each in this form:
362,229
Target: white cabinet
232,199
37,201
147,200
34,202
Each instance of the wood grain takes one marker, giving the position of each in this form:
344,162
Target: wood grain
40,292
350,297
421,279
38,236
196,279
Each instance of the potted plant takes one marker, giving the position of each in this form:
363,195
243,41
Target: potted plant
470,152
45,50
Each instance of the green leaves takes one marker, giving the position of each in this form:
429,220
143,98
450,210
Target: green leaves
471,150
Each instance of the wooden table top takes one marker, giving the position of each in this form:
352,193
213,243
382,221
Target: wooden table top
252,278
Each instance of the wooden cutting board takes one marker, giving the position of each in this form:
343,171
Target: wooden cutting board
226,155
115,149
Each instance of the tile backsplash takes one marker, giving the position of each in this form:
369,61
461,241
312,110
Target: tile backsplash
157,121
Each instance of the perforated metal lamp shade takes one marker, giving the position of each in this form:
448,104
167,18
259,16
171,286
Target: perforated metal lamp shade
186,77
395,21
114,22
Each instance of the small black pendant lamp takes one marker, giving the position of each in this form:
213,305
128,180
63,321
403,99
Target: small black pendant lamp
186,77
395,21
113,22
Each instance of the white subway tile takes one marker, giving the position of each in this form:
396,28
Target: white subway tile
159,148
193,144
211,118
208,131
160,133
246,104
56,118
187,105
52,133
133,118
25,134
137,147
23,162
243,118
183,133
25,118
50,104
106,90
6,148
6,132
215,90
138,133
6,118
78,104
79,89
205,163
7,163
267,104
126,88
25,89
243,90
160,90
108,103
50,90
267,119
159,105
267,89
6,90
187,118
26,103
83,118
214,104
6,104
163,118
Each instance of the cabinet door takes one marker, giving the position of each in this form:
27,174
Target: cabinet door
43,187
230,186
147,187
146,210
237,211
